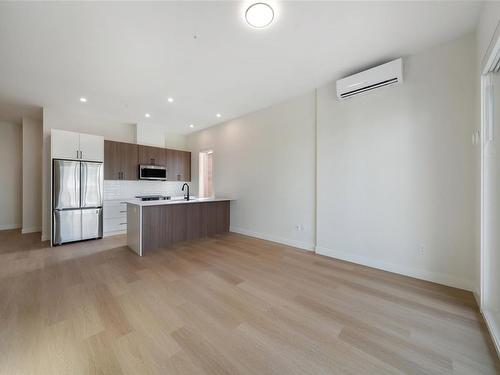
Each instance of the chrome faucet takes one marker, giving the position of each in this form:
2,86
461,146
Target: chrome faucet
186,197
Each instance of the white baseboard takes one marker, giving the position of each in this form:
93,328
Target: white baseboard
31,230
493,329
269,237
10,226
399,269
115,233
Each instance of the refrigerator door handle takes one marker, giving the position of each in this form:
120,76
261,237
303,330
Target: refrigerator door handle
83,184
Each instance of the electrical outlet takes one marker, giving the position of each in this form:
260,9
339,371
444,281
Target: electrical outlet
421,250
297,227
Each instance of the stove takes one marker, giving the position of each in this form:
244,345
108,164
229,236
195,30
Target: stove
153,197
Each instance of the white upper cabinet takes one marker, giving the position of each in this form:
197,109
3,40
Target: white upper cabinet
91,147
64,144
71,145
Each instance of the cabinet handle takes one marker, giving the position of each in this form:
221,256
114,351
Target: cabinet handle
123,223
77,154
123,212
81,154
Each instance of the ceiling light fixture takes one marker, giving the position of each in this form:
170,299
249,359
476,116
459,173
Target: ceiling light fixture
83,100
191,126
218,115
259,15
147,115
170,100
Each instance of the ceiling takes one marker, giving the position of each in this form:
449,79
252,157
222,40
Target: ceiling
127,58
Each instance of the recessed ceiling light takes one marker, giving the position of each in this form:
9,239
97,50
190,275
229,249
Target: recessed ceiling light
218,115
170,100
259,15
83,100
147,115
191,126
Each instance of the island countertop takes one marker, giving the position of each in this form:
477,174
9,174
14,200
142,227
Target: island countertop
140,203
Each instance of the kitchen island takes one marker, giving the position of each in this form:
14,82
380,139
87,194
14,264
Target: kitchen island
157,224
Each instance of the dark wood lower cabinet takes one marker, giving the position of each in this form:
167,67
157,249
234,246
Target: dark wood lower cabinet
166,224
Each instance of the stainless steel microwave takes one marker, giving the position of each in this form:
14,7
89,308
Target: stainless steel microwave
152,172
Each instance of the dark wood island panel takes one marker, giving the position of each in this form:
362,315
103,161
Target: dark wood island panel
163,225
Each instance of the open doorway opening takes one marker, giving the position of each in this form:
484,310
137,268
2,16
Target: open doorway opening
206,188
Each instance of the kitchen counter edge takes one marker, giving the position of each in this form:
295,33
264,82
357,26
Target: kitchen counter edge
164,202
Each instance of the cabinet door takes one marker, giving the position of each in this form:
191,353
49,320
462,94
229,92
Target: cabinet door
185,166
64,144
112,167
178,165
172,165
152,155
91,147
129,154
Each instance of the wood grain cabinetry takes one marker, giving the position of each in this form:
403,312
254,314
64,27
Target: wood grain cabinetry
152,155
163,225
178,165
120,161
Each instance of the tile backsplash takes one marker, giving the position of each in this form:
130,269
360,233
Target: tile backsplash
129,189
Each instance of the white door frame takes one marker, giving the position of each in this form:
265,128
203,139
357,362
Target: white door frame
491,59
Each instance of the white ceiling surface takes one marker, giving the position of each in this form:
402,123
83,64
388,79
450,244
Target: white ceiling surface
127,58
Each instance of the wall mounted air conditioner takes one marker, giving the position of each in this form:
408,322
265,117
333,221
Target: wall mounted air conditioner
383,75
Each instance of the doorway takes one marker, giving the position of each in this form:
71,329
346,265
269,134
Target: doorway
206,181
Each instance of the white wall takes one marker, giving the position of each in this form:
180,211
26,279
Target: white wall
265,161
11,175
78,122
396,170
156,135
31,175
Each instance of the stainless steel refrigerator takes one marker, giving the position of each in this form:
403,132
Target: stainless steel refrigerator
77,195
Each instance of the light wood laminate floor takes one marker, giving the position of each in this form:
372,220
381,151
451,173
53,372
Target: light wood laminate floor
225,305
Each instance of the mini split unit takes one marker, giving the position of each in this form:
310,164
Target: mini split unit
383,75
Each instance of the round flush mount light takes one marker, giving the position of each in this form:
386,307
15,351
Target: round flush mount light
147,115
259,15
170,100
218,115
83,100
191,126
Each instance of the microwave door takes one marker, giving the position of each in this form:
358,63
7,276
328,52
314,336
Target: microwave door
91,184
66,184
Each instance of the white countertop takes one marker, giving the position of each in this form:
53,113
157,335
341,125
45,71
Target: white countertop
138,202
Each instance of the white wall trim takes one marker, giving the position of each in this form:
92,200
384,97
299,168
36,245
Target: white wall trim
9,226
396,268
114,233
31,230
493,332
269,237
